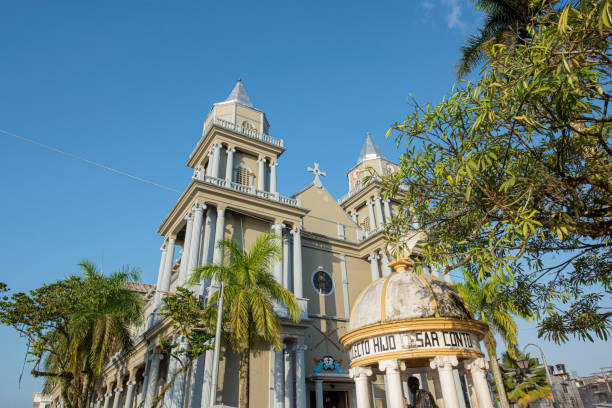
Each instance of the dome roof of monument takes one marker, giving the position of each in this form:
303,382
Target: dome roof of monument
406,296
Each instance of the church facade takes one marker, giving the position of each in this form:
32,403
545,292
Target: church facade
332,249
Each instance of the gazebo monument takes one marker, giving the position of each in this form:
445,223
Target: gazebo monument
407,323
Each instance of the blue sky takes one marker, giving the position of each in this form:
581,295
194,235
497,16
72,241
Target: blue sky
128,84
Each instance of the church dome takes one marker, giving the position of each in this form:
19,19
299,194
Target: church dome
406,296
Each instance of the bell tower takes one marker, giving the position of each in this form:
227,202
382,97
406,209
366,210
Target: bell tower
235,147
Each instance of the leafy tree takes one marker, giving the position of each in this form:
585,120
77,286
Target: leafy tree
490,302
73,326
524,386
517,167
250,292
188,337
505,22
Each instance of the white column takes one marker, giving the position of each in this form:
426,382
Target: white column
153,377
229,165
117,400
360,376
445,365
300,376
209,169
217,258
478,368
297,263
216,159
196,233
319,393
374,266
219,235
353,216
261,175
160,273
373,225
211,219
380,221
387,207
273,176
393,383
287,262
168,262
277,268
107,399
178,389
279,379
385,262
145,384
99,402
345,292
129,396
289,380
183,270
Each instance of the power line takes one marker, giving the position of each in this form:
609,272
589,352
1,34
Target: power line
93,163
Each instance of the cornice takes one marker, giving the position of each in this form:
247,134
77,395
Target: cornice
242,203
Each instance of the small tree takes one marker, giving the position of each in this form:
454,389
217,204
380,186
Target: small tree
248,300
189,322
73,326
490,302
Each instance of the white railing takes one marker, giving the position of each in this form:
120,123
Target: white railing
247,189
252,133
356,190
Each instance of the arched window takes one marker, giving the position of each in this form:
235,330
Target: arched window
365,224
241,176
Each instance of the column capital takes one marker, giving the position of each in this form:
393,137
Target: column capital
273,164
163,247
443,362
217,146
476,364
369,203
210,154
188,216
198,207
231,149
220,208
376,198
171,238
261,159
360,372
300,348
388,366
131,383
296,231
373,257
118,390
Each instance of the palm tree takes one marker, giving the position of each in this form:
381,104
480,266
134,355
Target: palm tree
250,292
490,302
505,21
526,385
99,326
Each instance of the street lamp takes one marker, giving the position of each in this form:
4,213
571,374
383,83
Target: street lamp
522,363
548,375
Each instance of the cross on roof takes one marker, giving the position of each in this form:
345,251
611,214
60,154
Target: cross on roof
317,172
